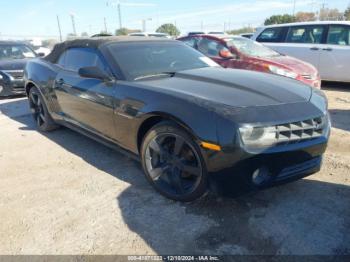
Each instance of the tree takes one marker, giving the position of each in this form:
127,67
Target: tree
327,14
280,19
347,13
168,29
305,16
126,31
121,31
241,31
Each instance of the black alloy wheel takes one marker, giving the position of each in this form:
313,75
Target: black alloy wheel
173,163
42,118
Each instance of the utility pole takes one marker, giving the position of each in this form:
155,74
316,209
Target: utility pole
73,25
105,22
175,23
323,11
59,28
144,21
143,25
120,16
294,7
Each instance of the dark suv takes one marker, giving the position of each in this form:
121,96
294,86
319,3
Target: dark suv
13,58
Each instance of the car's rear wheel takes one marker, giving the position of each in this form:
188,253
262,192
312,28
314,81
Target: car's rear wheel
41,115
173,163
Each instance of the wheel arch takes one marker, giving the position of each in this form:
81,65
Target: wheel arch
155,118
28,86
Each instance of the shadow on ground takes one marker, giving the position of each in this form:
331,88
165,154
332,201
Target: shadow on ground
340,119
304,217
340,86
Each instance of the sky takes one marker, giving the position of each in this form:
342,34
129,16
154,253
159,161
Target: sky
29,18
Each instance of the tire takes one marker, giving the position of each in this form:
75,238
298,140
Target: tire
41,115
173,164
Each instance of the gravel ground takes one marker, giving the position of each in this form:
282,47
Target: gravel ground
62,193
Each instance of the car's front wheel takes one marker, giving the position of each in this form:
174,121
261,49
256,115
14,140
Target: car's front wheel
41,115
173,163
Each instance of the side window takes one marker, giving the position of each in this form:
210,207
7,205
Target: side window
338,35
274,34
61,60
210,47
190,41
305,34
77,58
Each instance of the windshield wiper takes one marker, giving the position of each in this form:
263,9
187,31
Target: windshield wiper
170,74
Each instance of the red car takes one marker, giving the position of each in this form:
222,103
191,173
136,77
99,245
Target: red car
242,53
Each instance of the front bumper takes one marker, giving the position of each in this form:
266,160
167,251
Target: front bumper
239,171
11,86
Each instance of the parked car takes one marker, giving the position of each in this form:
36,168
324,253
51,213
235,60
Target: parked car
188,120
203,33
37,45
326,45
13,57
163,35
216,33
247,35
101,35
242,53
196,33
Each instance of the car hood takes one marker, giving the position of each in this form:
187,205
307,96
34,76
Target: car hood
293,64
233,87
13,64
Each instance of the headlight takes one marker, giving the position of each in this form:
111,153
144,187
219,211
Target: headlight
258,136
279,71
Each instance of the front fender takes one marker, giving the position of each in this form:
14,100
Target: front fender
134,106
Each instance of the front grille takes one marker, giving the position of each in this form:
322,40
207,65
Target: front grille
16,74
301,130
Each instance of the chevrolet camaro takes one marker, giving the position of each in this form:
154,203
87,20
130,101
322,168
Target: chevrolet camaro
189,121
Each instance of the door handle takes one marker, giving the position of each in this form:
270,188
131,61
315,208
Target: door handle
314,48
327,49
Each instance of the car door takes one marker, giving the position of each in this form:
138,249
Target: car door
85,102
335,54
303,42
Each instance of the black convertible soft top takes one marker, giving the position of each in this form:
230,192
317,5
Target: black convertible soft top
96,42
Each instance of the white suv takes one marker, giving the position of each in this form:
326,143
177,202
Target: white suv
324,44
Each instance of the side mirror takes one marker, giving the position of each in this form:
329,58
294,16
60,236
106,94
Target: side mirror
227,54
41,54
94,72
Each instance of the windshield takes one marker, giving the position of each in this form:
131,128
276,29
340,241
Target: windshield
15,52
138,60
250,47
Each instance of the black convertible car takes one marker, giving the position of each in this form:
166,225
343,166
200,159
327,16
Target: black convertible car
188,120
13,58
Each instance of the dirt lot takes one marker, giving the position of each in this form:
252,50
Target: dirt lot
62,193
